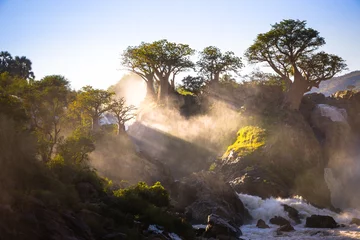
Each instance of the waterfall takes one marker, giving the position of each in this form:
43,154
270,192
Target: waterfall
342,173
334,113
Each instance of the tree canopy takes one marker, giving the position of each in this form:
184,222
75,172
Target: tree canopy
213,63
290,49
18,66
160,60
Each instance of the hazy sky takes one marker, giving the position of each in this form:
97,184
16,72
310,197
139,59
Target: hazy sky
83,39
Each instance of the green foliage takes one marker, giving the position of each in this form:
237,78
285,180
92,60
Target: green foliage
156,194
161,59
212,167
249,139
90,104
16,67
148,204
76,148
290,49
184,92
192,85
213,63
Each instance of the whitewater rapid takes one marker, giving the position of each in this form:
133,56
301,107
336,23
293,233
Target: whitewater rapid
268,208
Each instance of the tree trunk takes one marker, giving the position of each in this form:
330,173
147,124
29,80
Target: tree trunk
163,90
295,93
216,77
150,90
95,123
121,129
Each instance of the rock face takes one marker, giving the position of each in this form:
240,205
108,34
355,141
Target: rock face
116,158
277,220
292,213
285,228
319,221
290,162
205,193
219,228
261,224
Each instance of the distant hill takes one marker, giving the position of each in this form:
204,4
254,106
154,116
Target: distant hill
339,83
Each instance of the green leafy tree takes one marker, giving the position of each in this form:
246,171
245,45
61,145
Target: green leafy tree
75,149
213,63
46,101
161,60
91,104
18,66
193,84
290,49
122,113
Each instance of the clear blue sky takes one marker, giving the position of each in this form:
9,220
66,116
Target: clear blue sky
83,39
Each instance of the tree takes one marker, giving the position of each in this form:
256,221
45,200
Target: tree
290,49
45,102
133,58
18,67
122,113
193,84
161,60
92,103
214,63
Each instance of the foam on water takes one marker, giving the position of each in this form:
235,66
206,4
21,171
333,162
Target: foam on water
268,208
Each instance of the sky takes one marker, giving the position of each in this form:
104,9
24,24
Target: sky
83,39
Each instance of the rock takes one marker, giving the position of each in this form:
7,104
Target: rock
292,213
267,172
320,221
285,228
205,193
277,220
261,224
221,229
199,232
115,236
355,221
87,191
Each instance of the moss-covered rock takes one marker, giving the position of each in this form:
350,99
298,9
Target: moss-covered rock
278,156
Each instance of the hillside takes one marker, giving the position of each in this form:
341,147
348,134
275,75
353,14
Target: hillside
339,83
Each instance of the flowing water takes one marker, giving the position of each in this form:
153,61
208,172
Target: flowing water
342,181
268,208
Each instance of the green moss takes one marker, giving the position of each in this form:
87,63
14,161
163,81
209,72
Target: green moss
212,167
249,139
184,92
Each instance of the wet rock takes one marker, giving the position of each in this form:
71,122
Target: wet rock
292,213
205,193
320,221
261,224
355,221
221,229
277,220
286,228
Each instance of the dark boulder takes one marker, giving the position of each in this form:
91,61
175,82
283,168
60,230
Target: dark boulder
261,224
292,213
285,228
220,229
205,193
320,221
277,220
